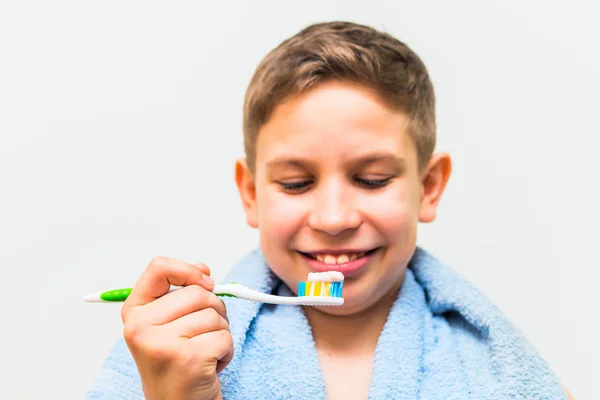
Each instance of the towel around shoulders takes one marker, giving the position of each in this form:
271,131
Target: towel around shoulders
443,340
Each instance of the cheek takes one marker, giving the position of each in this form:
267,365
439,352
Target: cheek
280,220
280,216
395,212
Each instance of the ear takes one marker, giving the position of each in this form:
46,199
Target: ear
433,182
247,191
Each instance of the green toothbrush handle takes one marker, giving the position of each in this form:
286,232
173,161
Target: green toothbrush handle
117,295
120,295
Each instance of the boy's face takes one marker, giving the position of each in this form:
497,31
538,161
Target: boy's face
337,187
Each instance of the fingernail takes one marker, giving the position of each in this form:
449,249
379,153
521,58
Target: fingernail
208,279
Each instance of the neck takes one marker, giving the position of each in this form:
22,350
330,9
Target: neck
360,331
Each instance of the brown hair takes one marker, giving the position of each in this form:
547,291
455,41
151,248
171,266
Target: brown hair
347,51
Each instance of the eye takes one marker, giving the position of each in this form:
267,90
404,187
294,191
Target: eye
295,187
373,183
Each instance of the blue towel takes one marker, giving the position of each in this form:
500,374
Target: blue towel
443,340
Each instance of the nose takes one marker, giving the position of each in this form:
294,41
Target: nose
334,211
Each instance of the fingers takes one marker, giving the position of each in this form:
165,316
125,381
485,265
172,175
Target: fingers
180,302
198,323
180,339
205,270
158,277
206,331
216,345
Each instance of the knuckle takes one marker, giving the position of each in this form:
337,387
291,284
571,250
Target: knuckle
223,335
216,303
202,265
223,307
158,262
223,324
124,314
198,292
203,268
226,338
132,333
213,317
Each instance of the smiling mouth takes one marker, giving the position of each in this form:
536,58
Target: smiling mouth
338,258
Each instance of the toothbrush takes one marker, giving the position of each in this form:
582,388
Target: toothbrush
314,292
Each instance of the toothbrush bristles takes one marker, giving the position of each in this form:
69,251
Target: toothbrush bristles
326,289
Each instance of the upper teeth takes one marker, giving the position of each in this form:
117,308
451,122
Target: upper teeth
338,259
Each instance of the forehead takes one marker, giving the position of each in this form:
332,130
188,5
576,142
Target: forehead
334,120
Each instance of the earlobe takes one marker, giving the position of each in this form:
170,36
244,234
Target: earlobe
433,182
247,191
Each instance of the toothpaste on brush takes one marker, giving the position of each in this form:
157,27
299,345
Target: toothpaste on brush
329,276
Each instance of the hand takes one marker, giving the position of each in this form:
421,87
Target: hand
180,341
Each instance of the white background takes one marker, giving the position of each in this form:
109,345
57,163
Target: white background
120,123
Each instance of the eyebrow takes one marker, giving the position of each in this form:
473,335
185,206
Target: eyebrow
290,161
360,161
376,157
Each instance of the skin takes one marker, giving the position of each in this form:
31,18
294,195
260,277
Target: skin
331,144
180,341
307,192
319,144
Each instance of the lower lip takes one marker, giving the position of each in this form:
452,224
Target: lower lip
349,269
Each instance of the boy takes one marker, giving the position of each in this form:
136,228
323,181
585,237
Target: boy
339,128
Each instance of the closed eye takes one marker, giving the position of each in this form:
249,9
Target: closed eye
295,187
302,186
373,183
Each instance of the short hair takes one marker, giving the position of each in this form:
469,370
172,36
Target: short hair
342,51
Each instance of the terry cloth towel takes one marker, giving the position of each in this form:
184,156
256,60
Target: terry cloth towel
443,340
